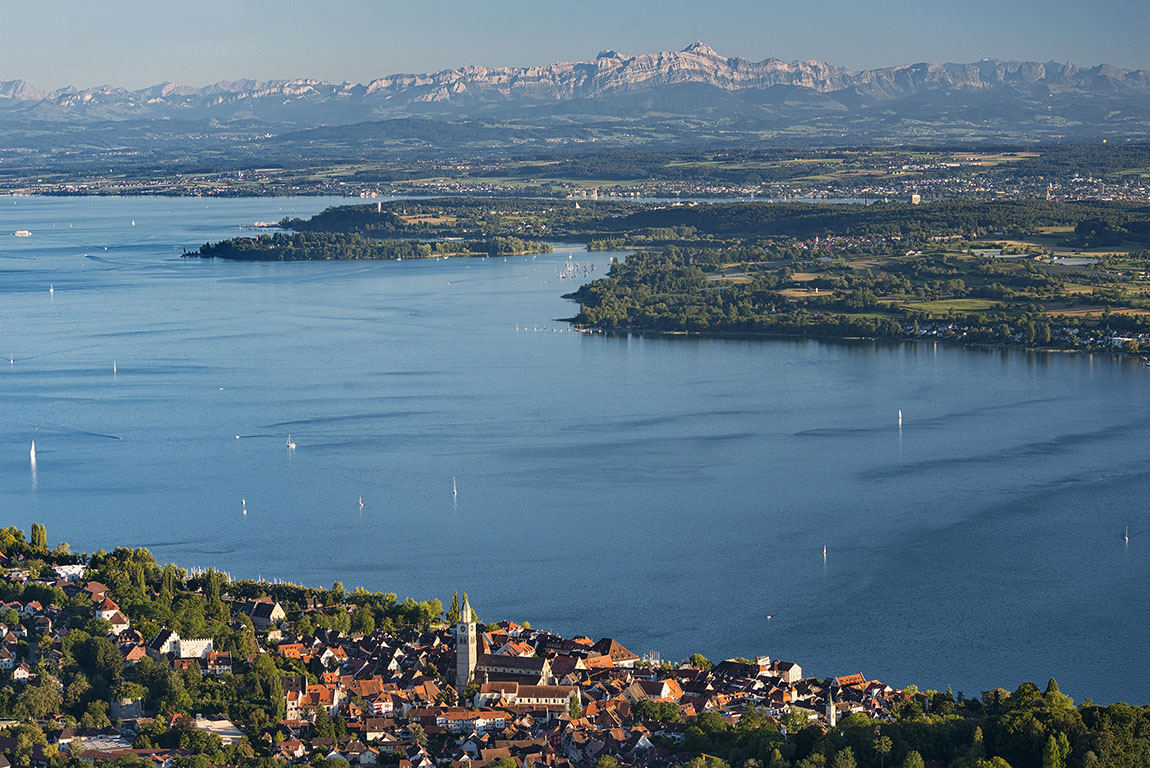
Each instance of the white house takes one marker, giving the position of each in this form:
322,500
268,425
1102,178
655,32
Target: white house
189,648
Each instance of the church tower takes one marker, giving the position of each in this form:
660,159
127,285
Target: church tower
466,649
832,714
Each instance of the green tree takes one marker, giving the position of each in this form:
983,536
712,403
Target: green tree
912,760
606,761
363,620
977,747
701,661
39,701
795,719
418,735
707,761
77,693
845,758
1055,698
323,726
39,537
452,615
1056,752
95,715
883,745
574,709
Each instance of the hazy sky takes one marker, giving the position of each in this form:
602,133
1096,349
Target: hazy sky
134,43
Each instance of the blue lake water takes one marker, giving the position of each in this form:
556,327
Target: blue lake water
669,492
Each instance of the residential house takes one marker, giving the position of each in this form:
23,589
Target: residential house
263,612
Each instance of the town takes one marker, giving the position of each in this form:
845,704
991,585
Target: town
110,658
1043,172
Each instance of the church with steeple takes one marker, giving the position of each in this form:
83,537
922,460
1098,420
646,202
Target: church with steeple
466,647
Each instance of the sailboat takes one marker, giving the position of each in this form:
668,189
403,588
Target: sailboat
244,503
51,289
290,444
454,489
113,367
824,551
361,502
32,452
1125,536
900,417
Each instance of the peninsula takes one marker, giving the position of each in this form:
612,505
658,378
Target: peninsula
321,246
1033,273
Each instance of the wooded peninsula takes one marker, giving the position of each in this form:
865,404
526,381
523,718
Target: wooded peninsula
327,246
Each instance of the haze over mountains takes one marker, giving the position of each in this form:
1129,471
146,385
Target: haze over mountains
693,96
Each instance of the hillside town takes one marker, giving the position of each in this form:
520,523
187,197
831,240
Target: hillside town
461,694
112,659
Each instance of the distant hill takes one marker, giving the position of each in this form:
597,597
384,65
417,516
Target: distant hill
986,99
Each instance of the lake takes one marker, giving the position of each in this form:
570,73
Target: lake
674,493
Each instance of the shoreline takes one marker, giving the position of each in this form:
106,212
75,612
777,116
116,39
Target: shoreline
780,336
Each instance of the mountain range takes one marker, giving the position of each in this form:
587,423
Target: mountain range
690,97
609,77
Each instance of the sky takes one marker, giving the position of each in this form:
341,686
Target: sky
133,43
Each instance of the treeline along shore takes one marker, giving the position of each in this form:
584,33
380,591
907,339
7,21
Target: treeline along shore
115,658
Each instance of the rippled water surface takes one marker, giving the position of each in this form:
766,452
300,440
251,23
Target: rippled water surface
670,492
